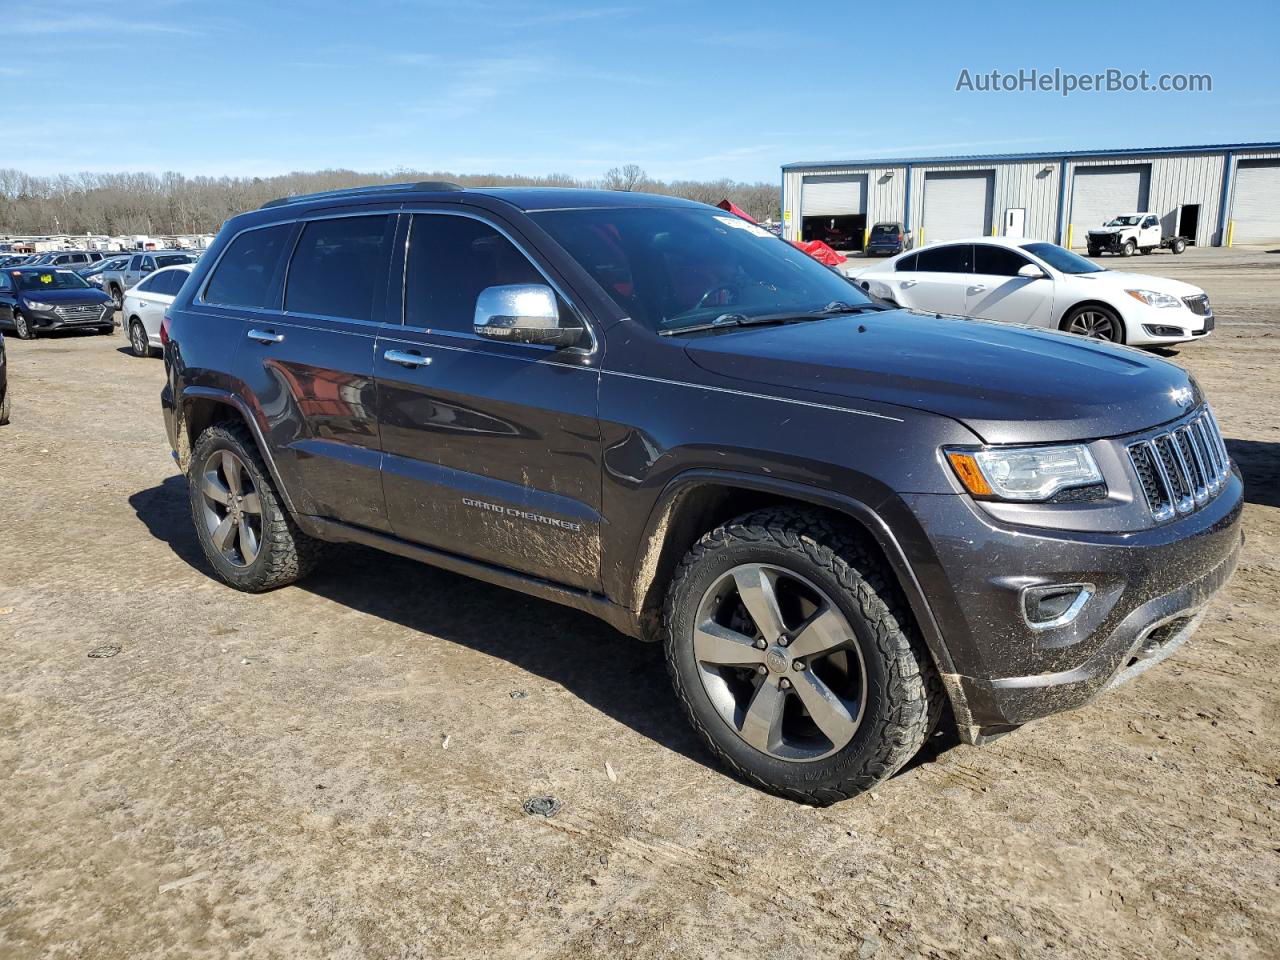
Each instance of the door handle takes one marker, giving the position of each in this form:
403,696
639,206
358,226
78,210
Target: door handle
909,283
407,358
978,287
266,336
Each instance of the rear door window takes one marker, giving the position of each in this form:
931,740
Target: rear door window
339,266
953,258
243,275
907,263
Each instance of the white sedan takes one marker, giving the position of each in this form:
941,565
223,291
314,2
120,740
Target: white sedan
144,305
1044,285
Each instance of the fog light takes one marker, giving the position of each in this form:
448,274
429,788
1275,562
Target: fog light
1159,330
1054,605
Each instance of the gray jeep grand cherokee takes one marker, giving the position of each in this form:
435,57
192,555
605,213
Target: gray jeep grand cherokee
838,517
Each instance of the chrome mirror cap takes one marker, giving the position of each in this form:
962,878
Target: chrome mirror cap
523,313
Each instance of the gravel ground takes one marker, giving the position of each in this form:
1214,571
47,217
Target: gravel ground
339,769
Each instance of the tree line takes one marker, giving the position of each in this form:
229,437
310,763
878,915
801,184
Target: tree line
171,203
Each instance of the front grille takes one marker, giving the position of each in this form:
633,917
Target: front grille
1198,305
1182,468
80,311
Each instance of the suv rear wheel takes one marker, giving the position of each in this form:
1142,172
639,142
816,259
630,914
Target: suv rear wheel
246,532
795,658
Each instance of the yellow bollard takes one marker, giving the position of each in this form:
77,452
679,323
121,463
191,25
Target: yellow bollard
1069,236
1231,230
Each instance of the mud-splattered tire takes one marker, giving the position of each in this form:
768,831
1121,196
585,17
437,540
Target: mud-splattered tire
4,409
283,553
902,696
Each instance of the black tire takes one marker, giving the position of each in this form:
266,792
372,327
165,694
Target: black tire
1146,251
22,328
1178,245
4,409
1094,252
1076,321
1128,248
285,554
902,695
117,296
138,344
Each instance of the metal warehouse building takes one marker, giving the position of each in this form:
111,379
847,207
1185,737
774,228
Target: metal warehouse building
1218,195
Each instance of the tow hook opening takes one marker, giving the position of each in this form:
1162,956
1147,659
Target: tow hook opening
1157,638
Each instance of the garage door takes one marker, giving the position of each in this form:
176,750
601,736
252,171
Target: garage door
1099,193
957,205
833,195
1255,212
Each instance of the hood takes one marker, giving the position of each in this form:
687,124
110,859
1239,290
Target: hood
66,297
1008,383
1121,280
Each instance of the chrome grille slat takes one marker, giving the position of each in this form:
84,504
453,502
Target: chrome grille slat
1195,465
1208,467
1181,468
1221,443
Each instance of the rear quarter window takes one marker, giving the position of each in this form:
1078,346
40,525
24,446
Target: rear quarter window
242,277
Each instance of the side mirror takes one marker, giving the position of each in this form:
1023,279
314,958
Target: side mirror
523,313
146,269
1031,272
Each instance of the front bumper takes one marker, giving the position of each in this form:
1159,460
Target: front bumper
1150,326
1151,588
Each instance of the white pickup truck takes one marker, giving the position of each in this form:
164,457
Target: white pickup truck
141,264
1130,232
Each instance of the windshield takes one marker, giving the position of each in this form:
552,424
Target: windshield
1061,259
670,269
1123,222
48,280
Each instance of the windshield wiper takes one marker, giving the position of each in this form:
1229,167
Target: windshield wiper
839,306
739,320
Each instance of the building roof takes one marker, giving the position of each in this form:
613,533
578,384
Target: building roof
1022,157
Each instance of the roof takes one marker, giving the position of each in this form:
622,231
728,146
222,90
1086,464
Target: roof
1022,157
525,198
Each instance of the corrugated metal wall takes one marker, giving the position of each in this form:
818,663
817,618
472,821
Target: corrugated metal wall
884,194
1175,180
1033,185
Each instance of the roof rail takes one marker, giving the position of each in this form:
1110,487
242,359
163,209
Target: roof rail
425,186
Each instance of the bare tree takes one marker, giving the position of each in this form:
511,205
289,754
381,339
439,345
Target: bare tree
626,178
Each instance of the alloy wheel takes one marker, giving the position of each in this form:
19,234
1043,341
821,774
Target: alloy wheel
1094,324
232,508
779,662
138,339
21,326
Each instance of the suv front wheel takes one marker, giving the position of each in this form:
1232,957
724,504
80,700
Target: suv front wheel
247,534
795,658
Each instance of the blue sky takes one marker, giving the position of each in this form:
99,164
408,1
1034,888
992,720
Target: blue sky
686,90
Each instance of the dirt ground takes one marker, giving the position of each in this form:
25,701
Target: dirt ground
338,769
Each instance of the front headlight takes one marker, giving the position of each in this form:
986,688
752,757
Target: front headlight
1024,473
37,305
1153,298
